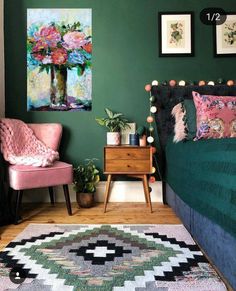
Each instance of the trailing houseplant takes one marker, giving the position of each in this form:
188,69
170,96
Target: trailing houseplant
142,132
86,177
115,122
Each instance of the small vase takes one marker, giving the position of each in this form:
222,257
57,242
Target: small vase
134,139
113,138
85,200
58,90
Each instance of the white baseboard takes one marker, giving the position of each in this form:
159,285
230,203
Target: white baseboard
121,191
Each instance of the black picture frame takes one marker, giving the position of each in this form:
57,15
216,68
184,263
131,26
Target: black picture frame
176,48
218,31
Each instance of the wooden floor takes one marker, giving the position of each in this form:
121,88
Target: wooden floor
117,213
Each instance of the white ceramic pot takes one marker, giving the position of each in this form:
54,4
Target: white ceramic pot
113,138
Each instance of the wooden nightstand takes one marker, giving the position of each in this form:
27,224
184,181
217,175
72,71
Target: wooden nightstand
133,161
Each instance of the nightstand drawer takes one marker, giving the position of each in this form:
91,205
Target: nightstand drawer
127,166
122,153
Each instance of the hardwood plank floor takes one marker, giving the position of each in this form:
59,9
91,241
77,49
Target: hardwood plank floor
117,213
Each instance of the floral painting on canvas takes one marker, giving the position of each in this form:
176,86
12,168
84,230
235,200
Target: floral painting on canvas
59,59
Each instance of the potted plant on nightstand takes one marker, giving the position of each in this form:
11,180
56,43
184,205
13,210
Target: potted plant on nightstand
141,131
86,177
114,122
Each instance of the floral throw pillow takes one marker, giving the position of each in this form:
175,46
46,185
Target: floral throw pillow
216,116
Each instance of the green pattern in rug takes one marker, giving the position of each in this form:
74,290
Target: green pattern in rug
108,257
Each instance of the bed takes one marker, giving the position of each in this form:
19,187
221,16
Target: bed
199,179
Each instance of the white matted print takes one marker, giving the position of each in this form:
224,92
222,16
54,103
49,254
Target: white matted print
126,132
225,37
176,34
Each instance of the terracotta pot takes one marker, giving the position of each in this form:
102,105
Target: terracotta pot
143,141
113,138
85,200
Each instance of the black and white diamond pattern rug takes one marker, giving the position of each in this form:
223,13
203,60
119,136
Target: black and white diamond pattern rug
106,257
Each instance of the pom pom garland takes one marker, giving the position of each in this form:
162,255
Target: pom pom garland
202,83
152,179
230,82
172,83
148,87
151,128
220,81
182,83
211,83
154,150
150,139
155,83
152,99
150,119
153,109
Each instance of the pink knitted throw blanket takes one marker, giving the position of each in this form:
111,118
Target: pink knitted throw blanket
20,146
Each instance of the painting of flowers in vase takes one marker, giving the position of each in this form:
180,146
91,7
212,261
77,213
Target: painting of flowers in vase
59,59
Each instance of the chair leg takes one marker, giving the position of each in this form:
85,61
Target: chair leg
51,194
67,197
19,194
10,204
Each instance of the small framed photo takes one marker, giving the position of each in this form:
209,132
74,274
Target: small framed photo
225,37
126,132
175,34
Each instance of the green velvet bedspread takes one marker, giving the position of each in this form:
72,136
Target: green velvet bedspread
203,174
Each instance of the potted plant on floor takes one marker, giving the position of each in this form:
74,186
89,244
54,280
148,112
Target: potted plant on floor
86,177
114,122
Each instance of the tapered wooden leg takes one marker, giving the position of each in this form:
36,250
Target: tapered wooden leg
67,197
51,194
145,194
108,184
19,194
146,189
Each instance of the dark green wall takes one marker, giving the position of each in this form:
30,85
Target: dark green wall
125,58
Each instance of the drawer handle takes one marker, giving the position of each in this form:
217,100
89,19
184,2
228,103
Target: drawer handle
128,154
128,166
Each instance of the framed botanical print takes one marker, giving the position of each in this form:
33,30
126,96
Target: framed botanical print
225,37
175,34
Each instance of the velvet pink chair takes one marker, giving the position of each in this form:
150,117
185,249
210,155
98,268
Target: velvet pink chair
23,177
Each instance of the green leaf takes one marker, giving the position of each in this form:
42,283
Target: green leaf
100,121
80,70
47,69
109,113
41,69
117,115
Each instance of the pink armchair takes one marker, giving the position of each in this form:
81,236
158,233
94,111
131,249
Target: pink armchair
29,177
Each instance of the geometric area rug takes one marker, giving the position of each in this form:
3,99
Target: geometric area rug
106,257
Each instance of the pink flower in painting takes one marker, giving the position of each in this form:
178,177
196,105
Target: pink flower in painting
74,40
40,46
49,35
38,50
59,56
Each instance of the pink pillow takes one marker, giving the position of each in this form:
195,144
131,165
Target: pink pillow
216,116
